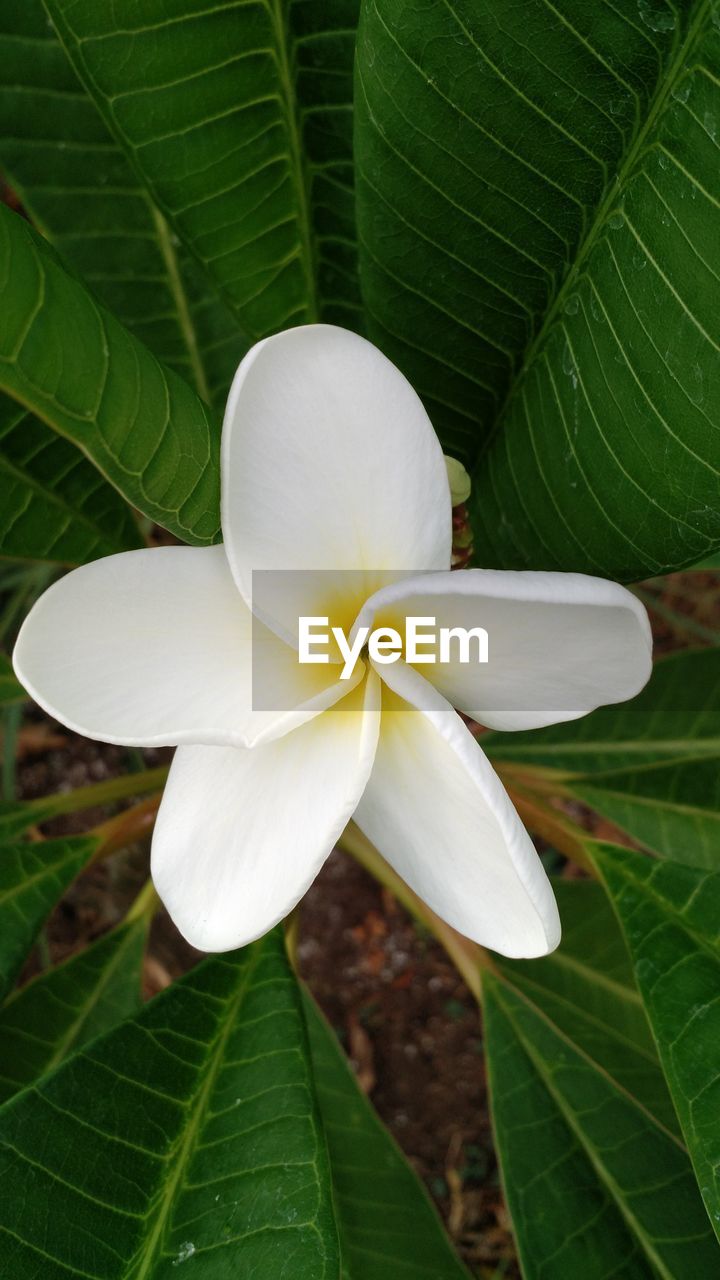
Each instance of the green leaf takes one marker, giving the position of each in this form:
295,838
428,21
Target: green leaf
62,1009
188,1133
672,808
70,362
670,915
539,219
17,816
238,118
597,1179
675,717
32,878
10,689
79,187
388,1225
56,506
587,989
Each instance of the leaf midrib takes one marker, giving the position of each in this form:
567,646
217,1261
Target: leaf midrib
298,167
177,289
78,515
654,802
71,1035
669,914
594,976
179,1158
175,282
596,746
603,1174
663,91
48,869
591,1062
298,162
643,770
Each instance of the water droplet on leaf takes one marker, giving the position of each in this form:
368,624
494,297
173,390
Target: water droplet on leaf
681,92
696,389
568,364
656,15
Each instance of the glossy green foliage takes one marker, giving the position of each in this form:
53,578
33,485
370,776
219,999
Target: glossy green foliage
74,365
81,190
32,878
538,205
672,808
540,251
675,718
63,1008
388,1226
188,1132
597,1179
55,504
16,817
238,119
670,915
587,989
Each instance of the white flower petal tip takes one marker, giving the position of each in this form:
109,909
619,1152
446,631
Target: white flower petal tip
438,813
329,462
241,834
559,644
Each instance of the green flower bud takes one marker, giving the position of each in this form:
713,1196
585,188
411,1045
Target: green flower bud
459,479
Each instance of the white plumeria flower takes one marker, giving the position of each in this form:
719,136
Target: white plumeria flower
329,461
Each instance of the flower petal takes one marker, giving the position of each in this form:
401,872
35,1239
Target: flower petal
330,462
559,644
439,814
241,834
156,647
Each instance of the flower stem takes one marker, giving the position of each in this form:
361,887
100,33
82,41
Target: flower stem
126,827
467,956
551,825
540,778
146,904
128,784
292,933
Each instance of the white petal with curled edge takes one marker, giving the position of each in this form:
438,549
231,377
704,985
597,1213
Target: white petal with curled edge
242,833
439,814
559,644
329,462
156,647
